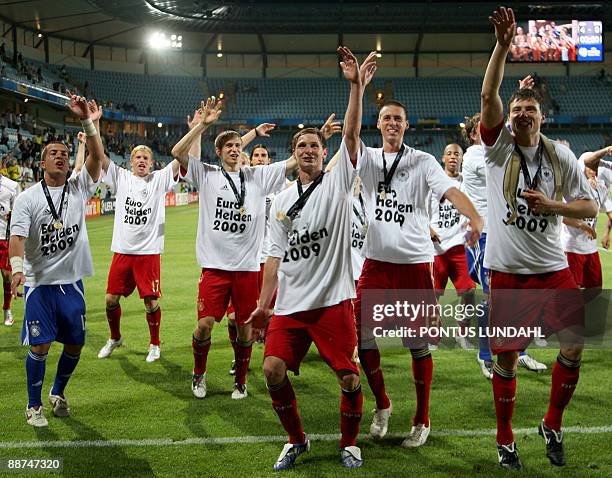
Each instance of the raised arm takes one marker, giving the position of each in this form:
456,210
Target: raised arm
79,108
261,130
79,160
491,106
209,113
592,159
96,112
352,117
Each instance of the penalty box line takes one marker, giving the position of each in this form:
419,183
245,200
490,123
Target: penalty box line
266,439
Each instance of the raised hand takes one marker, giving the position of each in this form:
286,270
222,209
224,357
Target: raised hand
95,111
211,111
78,106
264,128
526,82
367,69
349,65
505,26
331,127
82,137
197,117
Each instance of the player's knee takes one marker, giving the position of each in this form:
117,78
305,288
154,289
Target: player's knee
40,349
73,349
112,301
231,318
508,360
151,304
205,326
349,381
572,352
274,370
244,332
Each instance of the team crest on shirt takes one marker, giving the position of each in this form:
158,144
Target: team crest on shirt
402,175
144,193
547,175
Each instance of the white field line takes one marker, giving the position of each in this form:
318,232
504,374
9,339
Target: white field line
263,439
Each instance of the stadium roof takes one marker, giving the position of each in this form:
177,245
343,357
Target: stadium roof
125,23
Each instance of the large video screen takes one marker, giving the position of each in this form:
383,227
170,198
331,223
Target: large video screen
554,41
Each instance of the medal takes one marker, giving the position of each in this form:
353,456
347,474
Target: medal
242,211
382,195
58,225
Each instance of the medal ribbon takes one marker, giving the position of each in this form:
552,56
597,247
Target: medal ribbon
388,176
239,197
531,183
57,215
303,196
359,216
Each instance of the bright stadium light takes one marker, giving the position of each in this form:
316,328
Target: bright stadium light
160,41
219,54
462,125
301,126
159,125
378,54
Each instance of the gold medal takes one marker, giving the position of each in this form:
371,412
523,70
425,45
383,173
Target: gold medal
281,216
58,225
242,211
382,195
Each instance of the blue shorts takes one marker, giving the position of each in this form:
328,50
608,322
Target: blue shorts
54,313
475,258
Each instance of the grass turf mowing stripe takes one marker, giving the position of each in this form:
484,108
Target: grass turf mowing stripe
266,438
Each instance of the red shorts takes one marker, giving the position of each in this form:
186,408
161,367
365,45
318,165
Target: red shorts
217,287
586,269
550,301
5,263
129,271
387,283
230,307
332,329
453,264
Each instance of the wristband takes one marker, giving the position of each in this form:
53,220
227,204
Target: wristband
88,127
257,133
17,264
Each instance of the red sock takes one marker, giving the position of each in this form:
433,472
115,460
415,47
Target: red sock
243,357
370,362
564,380
350,416
232,331
154,318
114,318
504,392
200,354
7,296
422,371
285,406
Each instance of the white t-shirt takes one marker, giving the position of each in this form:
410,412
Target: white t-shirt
574,239
398,229
532,244
140,210
9,190
447,222
474,183
55,257
226,239
359,228
315,249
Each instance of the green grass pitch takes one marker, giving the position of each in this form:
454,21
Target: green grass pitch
124,398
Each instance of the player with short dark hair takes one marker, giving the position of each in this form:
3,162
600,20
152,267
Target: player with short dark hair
528,177
48,227
310,260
